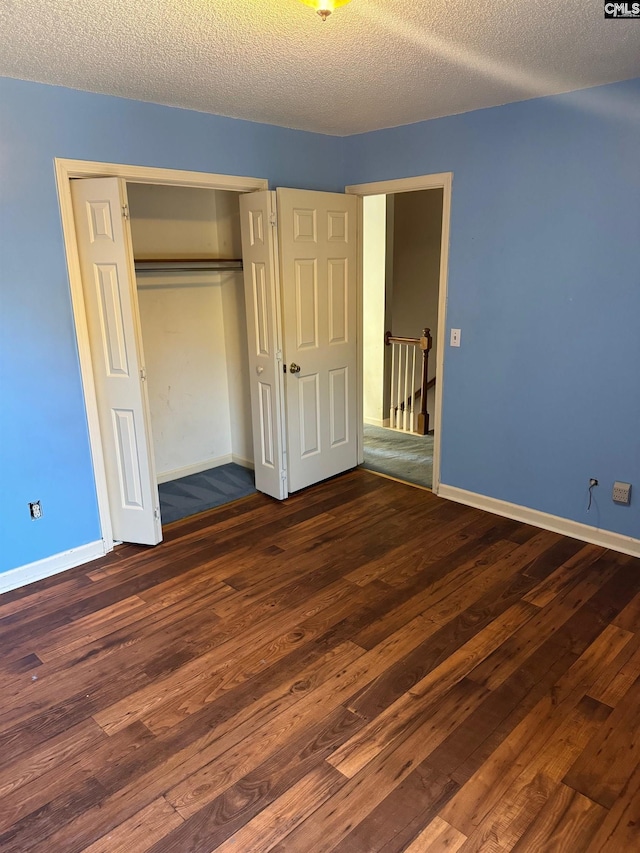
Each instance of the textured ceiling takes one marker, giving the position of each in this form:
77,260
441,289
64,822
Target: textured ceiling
373,64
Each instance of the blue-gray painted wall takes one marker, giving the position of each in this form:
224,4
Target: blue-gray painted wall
544,280
44,448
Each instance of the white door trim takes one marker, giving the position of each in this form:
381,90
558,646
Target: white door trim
65,170
444,181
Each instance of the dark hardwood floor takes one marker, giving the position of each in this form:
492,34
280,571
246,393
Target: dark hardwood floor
362,669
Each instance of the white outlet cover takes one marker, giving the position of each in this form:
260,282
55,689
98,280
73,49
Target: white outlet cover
455,337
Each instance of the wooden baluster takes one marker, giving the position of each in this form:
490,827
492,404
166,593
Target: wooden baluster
413,391
402,408
405,414
398,423
393,368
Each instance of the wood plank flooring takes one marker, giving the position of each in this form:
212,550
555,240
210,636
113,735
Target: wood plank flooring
362,669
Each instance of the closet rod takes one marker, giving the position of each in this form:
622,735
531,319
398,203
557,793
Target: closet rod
188,265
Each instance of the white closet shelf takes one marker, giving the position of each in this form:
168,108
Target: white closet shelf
156,265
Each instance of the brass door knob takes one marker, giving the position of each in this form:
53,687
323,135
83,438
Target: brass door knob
294,368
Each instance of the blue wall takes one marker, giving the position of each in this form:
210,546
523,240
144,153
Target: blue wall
544,281
44,450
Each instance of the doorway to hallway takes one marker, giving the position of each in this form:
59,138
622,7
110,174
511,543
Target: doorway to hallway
403,456
402,247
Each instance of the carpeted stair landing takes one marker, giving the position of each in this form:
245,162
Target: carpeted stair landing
399,454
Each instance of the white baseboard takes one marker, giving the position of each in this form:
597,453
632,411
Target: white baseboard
196,468
377,422
574,529
199,467
240,460
32,572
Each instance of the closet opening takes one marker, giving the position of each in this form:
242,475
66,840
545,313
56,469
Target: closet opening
189,283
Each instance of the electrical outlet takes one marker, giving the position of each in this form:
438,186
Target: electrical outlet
621,493
455,338
35,510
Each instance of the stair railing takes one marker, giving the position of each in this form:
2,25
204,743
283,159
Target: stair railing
405,364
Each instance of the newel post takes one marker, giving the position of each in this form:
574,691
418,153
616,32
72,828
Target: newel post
426,342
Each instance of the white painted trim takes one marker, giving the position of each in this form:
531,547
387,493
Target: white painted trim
244,463
153,175
196,468
402,185
379,422
205,465
442,180
443,296
84,350
65,170
574,529
359,331
32,572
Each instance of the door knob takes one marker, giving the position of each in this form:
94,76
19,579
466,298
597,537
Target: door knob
294,368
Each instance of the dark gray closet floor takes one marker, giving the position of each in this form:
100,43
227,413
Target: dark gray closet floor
198,492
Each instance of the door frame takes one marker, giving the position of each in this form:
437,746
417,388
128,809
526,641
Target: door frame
65,171
440,180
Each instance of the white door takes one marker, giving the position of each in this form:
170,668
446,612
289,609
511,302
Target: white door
259,256
106,263
317,242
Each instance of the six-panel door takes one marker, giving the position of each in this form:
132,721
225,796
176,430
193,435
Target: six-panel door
317,239
259,259
106,263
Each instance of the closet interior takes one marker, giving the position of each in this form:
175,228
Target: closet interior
187,251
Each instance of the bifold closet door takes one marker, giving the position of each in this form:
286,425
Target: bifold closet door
261,282
106,262
299,253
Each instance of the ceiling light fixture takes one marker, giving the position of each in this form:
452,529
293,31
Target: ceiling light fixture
325,7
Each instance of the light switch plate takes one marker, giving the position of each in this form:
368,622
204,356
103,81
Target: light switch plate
455,337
